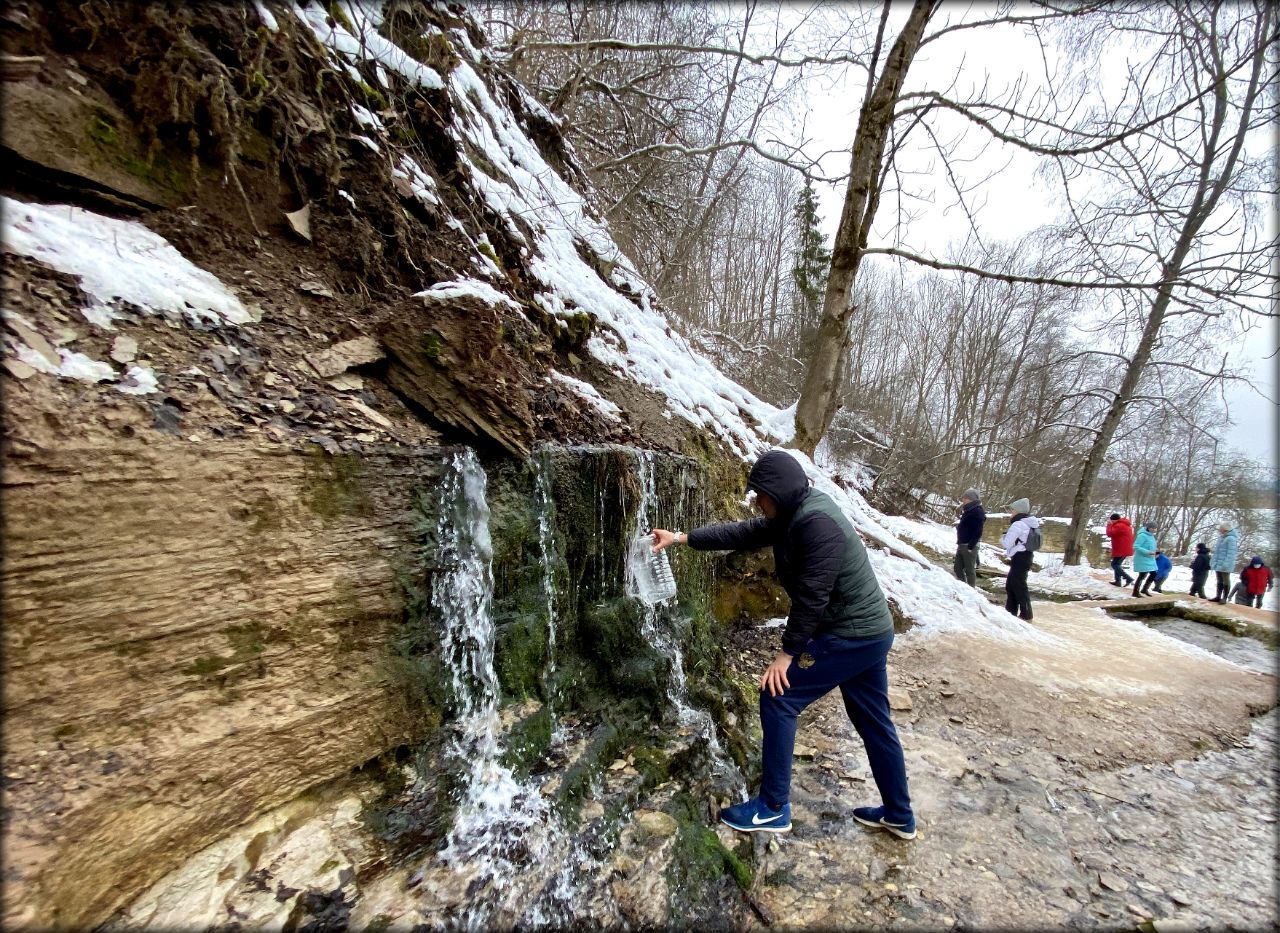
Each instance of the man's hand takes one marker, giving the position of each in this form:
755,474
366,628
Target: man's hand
663,539
774,678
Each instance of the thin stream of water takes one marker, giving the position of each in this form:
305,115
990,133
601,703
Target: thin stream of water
666,641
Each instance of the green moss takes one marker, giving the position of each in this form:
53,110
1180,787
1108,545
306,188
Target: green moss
65,730
103,137
486,249
698,858
340,17
329,865
334,486
379,924
373,96
528,742
432,344
653,764
520,653
247,640
210,664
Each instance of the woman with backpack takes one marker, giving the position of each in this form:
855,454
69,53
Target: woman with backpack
1020,543
1144,559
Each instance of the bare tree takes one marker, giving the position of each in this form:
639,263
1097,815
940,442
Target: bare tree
1186,192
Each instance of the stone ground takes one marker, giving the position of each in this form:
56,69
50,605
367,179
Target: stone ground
1105,776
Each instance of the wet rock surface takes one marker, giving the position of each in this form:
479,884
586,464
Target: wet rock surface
1103,804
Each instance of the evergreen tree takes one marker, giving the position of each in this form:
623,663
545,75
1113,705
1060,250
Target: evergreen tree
809,272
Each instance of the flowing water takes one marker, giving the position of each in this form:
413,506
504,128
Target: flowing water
502,826
544,505
658,629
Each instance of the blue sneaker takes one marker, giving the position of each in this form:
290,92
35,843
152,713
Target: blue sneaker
874,817
753,816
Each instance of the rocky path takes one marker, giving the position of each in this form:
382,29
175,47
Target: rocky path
1099,776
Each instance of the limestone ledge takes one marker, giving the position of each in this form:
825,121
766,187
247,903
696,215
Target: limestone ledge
194,635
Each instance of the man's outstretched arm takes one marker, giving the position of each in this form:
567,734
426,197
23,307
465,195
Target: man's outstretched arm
728,536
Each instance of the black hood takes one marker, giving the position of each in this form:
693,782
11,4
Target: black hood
781,477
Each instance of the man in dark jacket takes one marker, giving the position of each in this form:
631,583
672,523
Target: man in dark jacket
838,634
968,533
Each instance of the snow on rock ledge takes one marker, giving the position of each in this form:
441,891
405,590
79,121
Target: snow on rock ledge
118,261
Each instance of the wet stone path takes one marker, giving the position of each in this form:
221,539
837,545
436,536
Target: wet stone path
1019,829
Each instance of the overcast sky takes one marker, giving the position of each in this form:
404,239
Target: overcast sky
1011,204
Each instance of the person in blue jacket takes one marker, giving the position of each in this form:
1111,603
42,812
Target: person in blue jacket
838,635
1164,567
1224,560
1144,559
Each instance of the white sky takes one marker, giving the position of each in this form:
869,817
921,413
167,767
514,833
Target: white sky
1012,203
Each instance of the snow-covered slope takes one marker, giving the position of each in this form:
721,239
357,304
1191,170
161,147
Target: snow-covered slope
566,248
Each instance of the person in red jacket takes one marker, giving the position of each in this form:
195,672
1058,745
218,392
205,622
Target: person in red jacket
1257,580
1121,534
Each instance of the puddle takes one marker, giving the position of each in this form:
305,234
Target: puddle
1249,653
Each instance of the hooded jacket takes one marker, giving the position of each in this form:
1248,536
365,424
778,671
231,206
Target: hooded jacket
1257,580
969,528
1015,539
818,557
1200,563
1224,552
1164,566
1144,552
1121,534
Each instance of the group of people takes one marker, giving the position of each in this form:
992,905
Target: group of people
1153,566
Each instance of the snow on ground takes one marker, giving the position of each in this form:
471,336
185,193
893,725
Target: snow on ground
927,594
117,261
939,537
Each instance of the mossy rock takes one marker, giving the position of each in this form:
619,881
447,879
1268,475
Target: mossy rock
528,742
520,653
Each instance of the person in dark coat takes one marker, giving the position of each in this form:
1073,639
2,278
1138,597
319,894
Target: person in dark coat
968,533
1200,570
838,634
1120,533
1256,579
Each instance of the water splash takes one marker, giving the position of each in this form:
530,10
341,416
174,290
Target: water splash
663,638
500,827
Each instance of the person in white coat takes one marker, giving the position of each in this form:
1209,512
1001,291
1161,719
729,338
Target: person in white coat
1018,596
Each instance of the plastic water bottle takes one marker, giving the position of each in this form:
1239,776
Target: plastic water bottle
655,582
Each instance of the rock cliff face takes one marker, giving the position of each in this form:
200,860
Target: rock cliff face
268,267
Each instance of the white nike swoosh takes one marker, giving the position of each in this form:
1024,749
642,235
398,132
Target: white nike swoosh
755,819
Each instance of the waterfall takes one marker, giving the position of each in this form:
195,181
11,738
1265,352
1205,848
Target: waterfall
667,641
499,830
544,505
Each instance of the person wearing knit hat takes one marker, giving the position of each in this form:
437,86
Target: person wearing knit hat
1224,560
968,533
1017,547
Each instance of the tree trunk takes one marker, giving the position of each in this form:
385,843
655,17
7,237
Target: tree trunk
1213,179
818,395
